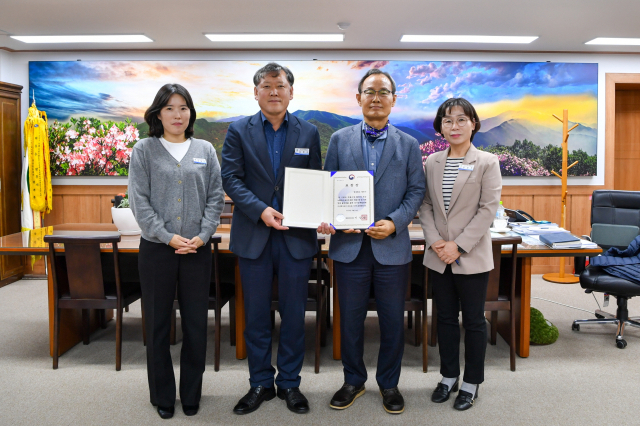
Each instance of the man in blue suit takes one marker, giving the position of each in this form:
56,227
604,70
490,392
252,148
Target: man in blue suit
256,150
378,258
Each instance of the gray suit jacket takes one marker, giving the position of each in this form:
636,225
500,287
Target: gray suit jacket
472,208
399,190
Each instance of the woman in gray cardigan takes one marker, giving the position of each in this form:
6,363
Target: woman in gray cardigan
176,196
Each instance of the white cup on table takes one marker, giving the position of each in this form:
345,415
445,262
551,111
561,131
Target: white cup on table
500,223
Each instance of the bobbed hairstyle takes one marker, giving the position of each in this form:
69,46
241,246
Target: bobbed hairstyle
374,71
270,69
466,106
160,101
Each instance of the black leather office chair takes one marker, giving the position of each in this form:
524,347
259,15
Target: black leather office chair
615,222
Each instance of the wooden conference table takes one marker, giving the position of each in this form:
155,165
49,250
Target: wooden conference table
31,243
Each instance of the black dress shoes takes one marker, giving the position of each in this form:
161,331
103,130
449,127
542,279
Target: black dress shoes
296,401
252,400
166,412
442,392
465,400
392,400
345,397
190,410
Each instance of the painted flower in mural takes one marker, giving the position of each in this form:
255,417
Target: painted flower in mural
436,145
87,147
510,164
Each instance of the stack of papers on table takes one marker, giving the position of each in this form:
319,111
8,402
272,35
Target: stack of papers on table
538,230
586,244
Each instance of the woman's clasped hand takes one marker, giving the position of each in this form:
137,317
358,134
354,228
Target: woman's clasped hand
184,245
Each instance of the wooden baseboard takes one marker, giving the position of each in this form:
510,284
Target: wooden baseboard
34,277
10,280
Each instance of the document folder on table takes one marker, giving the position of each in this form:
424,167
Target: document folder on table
342,199
560,240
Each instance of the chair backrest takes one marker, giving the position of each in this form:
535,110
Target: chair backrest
619,208
496,286
80,271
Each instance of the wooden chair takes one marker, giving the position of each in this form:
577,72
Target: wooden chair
416,305
317,300
81,282
501,292
222,291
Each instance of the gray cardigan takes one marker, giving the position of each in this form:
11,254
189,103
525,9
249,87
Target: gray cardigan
168,197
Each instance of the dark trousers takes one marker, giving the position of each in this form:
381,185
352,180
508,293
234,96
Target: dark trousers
161,271
293,283
389,282
467,293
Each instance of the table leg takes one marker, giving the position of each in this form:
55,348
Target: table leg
337,350
425,327
523,314
521,307
241,344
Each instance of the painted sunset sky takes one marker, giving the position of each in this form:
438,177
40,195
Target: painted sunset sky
114,90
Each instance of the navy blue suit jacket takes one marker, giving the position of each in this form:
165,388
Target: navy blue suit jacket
248,179
399,190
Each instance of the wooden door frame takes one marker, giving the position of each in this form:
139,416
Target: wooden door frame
613,79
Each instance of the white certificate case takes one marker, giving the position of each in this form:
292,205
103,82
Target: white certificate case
342,199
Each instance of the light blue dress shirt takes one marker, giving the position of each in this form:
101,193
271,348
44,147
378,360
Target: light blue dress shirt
372,152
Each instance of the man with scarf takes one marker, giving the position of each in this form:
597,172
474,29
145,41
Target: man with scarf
377,258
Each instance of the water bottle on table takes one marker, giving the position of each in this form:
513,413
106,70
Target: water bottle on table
501,220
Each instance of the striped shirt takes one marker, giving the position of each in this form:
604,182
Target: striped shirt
448,179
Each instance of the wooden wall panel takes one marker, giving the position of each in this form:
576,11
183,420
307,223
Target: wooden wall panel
57,212
105,208
518,202
580,214
81,208
82,203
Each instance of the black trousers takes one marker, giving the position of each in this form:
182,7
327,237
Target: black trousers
162,271
257,285
467,293
389,282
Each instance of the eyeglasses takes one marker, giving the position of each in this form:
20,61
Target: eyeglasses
447,123
383,93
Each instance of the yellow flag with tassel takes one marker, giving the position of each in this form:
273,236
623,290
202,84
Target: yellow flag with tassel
37,196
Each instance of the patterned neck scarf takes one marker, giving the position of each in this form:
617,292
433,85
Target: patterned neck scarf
372,133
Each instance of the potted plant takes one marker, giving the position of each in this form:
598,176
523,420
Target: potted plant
123,216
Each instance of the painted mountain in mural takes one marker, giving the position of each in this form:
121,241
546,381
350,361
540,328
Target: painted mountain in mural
514,99
336,122
510,126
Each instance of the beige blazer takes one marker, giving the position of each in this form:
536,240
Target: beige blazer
474,201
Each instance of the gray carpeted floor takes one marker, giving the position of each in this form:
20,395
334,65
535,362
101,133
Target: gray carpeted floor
581,379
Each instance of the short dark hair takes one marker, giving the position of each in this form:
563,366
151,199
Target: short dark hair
466,106
162,98
374,71
272,68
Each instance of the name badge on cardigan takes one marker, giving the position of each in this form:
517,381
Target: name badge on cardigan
302,151
199,161
466,167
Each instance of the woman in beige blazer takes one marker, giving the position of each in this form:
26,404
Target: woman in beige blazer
463,193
